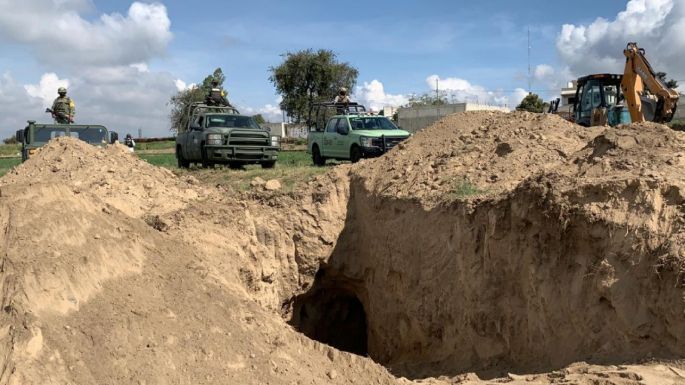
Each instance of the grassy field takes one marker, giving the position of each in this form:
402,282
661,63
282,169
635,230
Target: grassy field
292,168
7,163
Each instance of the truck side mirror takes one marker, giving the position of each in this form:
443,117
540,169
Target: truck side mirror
20,136
113,137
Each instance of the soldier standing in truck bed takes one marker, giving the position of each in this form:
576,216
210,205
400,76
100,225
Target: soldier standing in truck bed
63,108
217,96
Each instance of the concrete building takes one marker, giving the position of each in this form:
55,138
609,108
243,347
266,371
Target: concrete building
417,118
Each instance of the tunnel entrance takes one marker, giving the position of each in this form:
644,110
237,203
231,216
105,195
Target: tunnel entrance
333,315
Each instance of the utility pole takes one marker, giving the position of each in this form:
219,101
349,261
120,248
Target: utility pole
529,74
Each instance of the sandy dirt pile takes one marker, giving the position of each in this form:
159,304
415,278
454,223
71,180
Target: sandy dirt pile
92,293
475,152
113,173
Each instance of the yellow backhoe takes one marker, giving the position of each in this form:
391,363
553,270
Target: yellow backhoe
637,95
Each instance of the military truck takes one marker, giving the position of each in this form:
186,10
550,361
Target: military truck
348,132
35,135
221,135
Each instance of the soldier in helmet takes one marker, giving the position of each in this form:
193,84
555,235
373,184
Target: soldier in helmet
217,96
342,97
63,108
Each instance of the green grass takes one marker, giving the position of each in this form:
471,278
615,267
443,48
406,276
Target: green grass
6,164
155,145
9,149
463,188
292,169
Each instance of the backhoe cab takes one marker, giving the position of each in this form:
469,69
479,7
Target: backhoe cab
636,96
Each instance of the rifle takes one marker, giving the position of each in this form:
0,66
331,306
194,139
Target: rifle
60,115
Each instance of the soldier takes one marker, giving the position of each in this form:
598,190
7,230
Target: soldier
63,108
217,96
342,97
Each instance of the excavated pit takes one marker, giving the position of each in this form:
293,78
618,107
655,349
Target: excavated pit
517,284
332,313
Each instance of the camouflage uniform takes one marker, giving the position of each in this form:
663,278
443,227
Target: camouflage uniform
63,108
217,96
342,97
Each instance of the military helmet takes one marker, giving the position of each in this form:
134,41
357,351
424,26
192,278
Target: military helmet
61,90
343,90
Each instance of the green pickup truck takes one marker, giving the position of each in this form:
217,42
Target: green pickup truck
221,135
35,135
350,134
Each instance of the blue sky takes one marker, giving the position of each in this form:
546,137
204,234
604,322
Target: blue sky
476,49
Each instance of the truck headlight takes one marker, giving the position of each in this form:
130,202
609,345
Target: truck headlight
366,141
275,141
214,139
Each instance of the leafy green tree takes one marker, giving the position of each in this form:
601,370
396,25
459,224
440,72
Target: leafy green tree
10,140
179,103
669,83
307,77
531,103
259,119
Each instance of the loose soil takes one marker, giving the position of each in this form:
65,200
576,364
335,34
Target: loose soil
486,245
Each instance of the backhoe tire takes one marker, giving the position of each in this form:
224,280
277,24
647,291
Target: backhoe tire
317,158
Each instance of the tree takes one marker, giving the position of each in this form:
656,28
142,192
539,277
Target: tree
259,119
669,83
531,103
307,77
427,99
179,103
10,140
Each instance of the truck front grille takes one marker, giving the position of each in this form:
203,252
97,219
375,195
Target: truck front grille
248,139
390,142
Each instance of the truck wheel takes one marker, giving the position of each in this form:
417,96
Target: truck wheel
317,158
269,164
355,154
205,162
182,163
235,165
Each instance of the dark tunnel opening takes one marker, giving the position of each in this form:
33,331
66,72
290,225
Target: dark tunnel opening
333,315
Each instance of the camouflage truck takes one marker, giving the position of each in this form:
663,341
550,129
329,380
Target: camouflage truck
221,135
35,135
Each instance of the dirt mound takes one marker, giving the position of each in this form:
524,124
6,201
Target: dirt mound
575,251
475,153
118,177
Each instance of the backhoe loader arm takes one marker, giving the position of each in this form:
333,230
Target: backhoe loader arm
638,74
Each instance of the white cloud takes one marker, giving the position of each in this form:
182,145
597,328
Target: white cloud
13,98
103,60
270,112
46,89
461,90
58,35
658,26
373,96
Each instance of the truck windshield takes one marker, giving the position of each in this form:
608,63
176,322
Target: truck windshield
93,135
231,121
372,123
44,134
